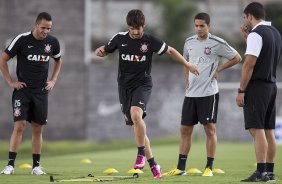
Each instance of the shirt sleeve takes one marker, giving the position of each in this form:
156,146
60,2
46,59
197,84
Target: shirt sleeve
227,51
254,44
158,46
112,44
14,47
56,52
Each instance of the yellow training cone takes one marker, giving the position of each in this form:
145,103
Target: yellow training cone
110,171
133,171
218,171
25,166
194,171
85,161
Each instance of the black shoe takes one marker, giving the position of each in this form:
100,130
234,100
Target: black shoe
271,176
257,177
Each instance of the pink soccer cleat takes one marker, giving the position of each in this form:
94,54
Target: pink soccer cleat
156,170
140,162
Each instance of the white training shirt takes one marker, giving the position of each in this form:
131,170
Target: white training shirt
206,54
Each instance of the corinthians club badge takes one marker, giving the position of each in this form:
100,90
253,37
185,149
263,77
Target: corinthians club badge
17,112
47,48
207,51
144,47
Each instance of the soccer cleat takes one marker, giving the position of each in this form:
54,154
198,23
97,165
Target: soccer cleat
156,170
37,171
257,177
207,172
8,170
175,172
271,176
140,162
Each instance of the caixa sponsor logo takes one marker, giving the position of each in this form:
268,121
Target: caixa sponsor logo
133,58
38,58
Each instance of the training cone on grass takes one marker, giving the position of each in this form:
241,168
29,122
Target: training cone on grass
85,161
218,171
194,171
25,166
133,171
110,171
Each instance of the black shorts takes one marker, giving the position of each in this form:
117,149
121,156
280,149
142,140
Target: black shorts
138,96
259,109
32,107
199,109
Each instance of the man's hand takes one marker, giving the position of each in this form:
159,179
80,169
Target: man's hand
245,30
101,51
193,68
50,85
216,74
240,99
17,85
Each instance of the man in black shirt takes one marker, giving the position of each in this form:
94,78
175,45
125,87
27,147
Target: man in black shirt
257,92
134,78
30,97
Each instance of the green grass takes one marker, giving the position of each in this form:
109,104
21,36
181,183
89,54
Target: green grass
51,148
236,159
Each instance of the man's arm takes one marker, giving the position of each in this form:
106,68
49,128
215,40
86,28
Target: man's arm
4,58
246,74
56,70
101,51
227,64
176,56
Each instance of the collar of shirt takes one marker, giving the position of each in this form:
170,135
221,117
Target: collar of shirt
267,23
209,35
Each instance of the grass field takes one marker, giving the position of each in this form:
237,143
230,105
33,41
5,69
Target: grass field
236,159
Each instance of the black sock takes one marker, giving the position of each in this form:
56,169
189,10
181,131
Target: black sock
181,162
36,160
269,167
152,162
261,167
141,150
209,162
12,158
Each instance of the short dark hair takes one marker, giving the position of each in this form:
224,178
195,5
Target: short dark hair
135,18
256,9
203,16
43,16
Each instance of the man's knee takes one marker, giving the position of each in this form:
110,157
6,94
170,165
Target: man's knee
186,131
36,128
136,114
136,117
210,130
19,126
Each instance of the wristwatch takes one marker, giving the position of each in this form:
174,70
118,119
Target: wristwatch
241,90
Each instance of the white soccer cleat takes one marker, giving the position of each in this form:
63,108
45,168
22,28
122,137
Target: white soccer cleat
37,171
8,170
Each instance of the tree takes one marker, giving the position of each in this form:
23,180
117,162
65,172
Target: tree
274,14
176,20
